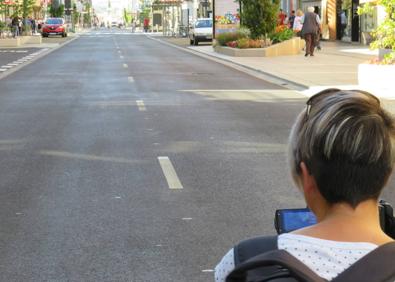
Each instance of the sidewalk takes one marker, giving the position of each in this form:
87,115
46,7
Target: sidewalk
336,65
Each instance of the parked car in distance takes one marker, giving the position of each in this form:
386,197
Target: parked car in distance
201,31
54,26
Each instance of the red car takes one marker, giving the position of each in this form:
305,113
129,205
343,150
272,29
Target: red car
54,26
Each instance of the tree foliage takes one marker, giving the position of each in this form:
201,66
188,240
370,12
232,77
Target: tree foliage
144,14
56,12
259,16
127,17
384,34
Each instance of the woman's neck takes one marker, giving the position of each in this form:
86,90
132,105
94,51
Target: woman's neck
340,222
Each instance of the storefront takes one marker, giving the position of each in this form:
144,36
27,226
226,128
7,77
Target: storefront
347,20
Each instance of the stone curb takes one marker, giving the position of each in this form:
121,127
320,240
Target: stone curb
292,85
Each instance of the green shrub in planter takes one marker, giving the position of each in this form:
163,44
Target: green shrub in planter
243,43
281,34
223,38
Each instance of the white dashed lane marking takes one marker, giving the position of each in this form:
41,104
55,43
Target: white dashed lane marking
125,66
140,104
170,173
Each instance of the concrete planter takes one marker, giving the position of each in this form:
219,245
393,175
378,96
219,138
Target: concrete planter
292,46
376,76
33,39
10,42
20,40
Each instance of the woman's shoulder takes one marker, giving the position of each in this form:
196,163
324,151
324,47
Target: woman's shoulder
314,241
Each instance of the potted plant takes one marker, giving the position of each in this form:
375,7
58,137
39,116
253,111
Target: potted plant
380,72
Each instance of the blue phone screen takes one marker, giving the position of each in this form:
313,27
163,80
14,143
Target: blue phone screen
296,219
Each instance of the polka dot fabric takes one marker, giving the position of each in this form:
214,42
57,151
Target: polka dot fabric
226,265
326,258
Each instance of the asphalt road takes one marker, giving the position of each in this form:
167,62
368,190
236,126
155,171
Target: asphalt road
95,136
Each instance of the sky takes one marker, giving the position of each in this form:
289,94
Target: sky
116,11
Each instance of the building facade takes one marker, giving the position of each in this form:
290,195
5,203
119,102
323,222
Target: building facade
340,19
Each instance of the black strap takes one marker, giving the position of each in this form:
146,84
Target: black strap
252,247
378,265
297,269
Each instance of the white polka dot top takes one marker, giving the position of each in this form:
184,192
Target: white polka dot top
326,258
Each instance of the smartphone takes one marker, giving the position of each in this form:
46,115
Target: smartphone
288,220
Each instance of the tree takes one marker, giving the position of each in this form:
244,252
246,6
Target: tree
27,7
259,16
145,14
384,34
127,17
56,11
87,15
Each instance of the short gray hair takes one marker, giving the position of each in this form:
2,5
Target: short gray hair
311,9
346,140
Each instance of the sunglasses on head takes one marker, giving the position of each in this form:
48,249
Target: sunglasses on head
330,91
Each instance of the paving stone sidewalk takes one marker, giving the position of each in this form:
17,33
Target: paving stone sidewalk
336,65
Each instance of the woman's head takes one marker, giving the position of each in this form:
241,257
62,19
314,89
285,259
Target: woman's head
311,9
299,13
346,140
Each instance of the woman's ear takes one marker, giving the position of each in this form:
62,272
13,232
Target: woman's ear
308,182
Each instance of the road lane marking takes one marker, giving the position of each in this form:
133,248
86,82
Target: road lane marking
3,70
85,157
121,57
208,270
6,67
130,79
170,173
140,104
125,66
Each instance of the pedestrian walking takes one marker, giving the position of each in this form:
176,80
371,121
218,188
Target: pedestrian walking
15,26
281,17
311,23
34,25
291,19
297,24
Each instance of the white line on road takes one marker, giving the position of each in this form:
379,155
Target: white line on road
125,66
6,67
170,173
131,79
140,104
1,70
121,57
208,270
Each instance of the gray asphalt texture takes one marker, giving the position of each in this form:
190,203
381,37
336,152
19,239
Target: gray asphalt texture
9,55
82,194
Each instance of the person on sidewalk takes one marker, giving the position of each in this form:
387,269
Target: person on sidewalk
292,19
297,25
281,17
311,22
318,39
15,26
